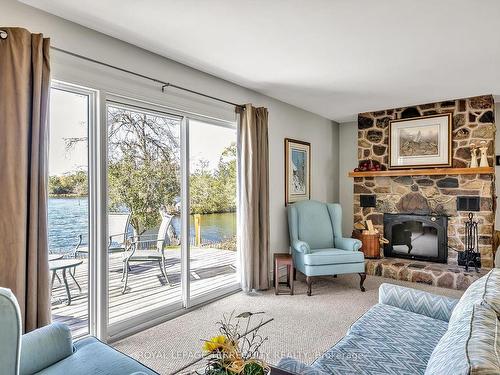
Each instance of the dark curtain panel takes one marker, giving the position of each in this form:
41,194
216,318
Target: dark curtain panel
24,102
254,198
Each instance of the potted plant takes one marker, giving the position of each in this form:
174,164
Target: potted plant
235,350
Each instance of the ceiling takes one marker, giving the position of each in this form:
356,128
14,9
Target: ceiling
332,57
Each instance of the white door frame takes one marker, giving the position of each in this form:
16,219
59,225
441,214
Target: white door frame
94,151
185,226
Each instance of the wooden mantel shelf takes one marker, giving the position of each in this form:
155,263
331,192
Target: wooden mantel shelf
424,172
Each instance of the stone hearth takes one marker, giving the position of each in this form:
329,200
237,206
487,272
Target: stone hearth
442,275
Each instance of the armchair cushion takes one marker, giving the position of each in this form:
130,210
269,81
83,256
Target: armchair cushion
314,225
332,256
301,247
45,346
10,332
93,357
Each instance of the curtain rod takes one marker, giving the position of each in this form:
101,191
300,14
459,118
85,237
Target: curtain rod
163,83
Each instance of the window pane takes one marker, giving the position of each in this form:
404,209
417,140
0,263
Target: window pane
68,208
212,188
144,203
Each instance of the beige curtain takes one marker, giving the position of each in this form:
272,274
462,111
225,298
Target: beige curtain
24,97
254,198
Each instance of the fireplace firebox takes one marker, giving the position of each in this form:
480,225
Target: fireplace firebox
421,237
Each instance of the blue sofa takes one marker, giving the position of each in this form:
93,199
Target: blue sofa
318,248
415,332
50,350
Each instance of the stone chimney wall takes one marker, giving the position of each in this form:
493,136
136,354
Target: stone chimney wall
473,121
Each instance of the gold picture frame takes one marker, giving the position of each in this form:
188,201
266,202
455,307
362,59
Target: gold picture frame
420,142
297,170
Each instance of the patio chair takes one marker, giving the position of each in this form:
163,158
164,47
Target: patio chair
118,225
147,250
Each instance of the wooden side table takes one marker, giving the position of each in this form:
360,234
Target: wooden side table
283,259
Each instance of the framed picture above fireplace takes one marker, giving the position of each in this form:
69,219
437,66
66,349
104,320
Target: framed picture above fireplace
420,142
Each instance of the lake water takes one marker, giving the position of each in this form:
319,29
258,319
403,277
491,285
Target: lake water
68,218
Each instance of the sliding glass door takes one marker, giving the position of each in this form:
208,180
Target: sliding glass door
212,198
144,215
68,205
142,211
171,188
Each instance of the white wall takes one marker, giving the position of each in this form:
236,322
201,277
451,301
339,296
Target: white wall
284,120
348,160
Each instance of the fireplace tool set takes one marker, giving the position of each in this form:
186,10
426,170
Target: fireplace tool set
470,257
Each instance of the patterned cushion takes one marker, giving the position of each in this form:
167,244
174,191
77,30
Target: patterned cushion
417,334
492,290
470,345
295,366
486,289
417,301
408,339
354,355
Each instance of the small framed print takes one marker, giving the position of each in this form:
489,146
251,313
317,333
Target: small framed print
420,142
297,170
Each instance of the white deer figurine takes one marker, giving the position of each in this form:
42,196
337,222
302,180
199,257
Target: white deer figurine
484,156
473,156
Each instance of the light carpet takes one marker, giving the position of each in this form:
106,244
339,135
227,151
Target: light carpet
303,327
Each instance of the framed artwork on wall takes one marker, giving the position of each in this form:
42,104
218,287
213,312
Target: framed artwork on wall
420,142
297,170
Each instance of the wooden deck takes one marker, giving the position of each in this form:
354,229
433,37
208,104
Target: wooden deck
147,288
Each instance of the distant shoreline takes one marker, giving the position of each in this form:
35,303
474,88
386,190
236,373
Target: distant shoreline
68,196
60,196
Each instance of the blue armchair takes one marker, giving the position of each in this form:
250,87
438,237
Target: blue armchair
318,248
50,350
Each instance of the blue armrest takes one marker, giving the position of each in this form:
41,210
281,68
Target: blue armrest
350,244
301,247
417,301
45,346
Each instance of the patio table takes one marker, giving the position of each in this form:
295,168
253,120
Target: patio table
65,264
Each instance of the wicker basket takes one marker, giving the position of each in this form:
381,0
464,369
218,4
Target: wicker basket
371,244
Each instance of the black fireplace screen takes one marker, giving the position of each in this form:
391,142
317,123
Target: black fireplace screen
422,237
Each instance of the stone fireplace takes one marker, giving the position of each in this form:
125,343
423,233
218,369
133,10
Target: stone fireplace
431,195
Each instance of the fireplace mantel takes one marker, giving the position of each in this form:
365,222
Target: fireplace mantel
424,172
